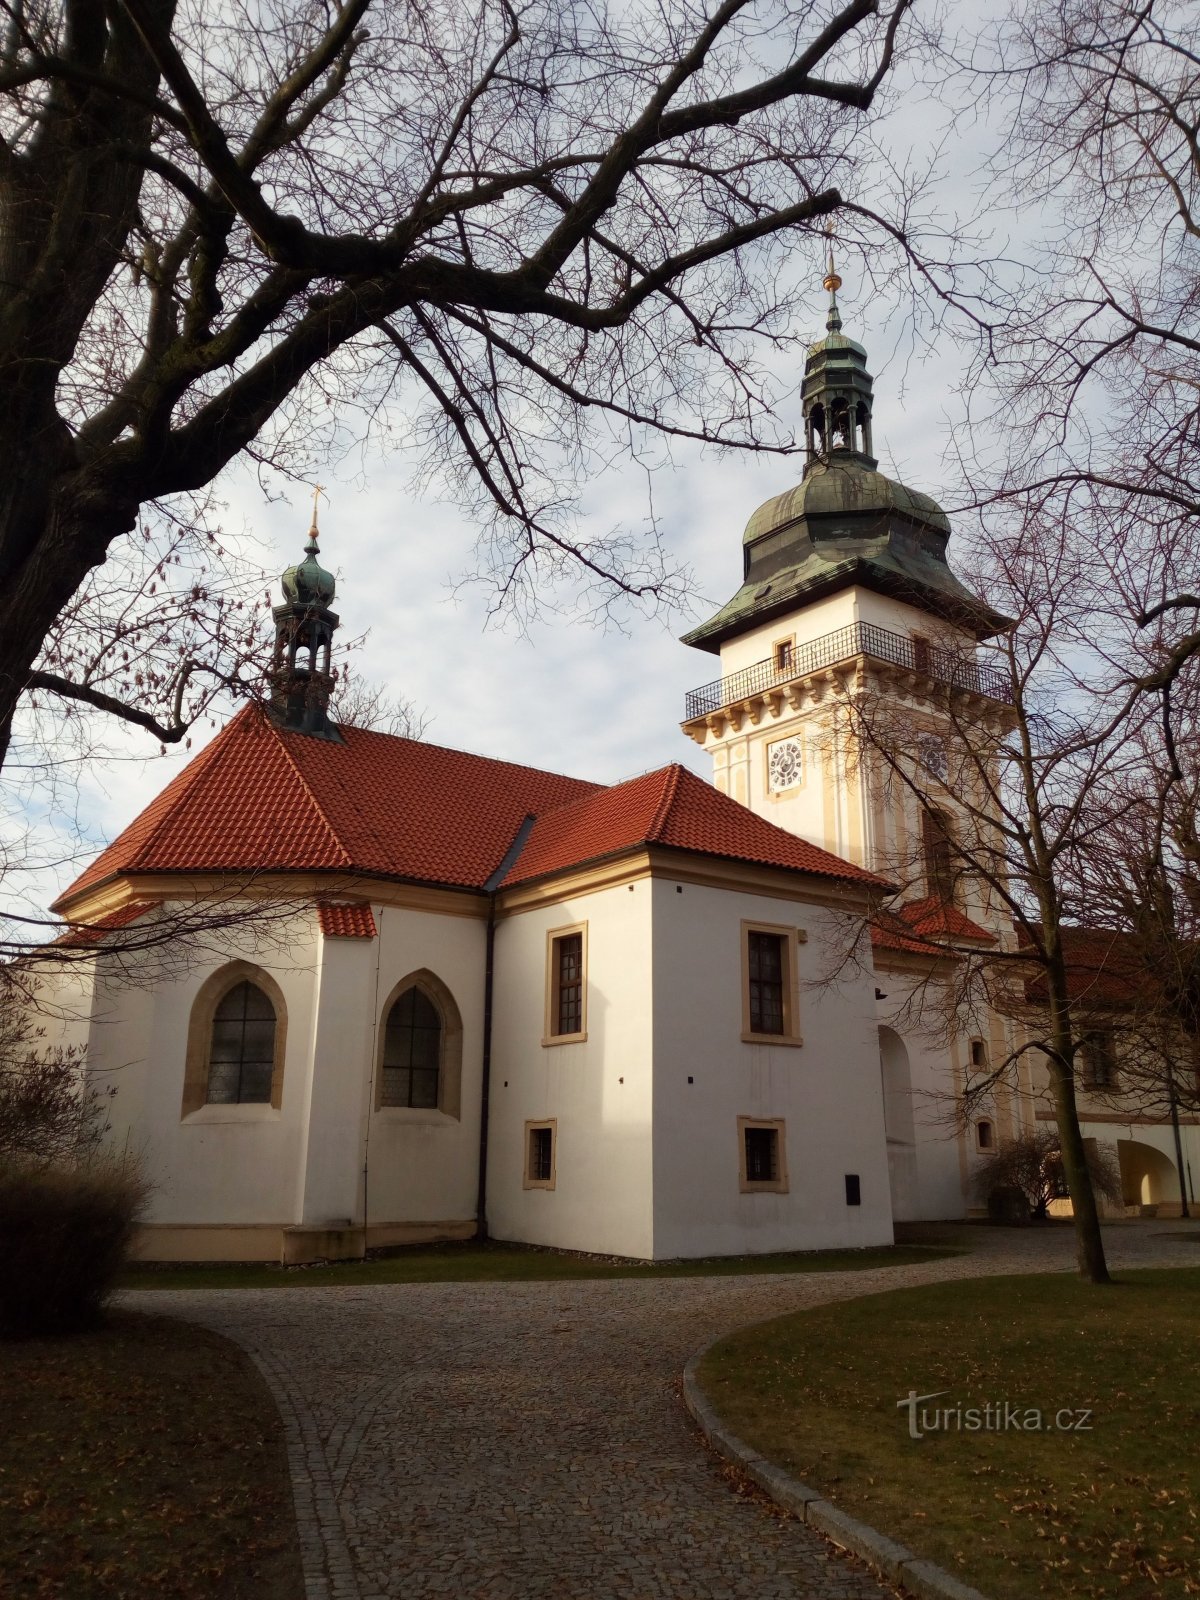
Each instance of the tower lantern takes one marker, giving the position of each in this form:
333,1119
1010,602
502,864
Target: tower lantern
301,670
836,396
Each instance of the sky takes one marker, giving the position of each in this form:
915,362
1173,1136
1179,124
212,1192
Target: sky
604,704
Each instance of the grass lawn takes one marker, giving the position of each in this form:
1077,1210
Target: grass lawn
1111,1511
144,1458
502,1263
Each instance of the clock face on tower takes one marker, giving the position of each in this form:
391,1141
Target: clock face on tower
785,764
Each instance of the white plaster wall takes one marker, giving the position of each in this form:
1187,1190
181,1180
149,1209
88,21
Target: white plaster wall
807,622
944,1159
221,1164
422,1166
600,1090
828,1089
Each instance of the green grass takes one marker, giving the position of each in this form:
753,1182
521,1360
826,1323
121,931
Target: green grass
1112,1511
143,1458
509,1263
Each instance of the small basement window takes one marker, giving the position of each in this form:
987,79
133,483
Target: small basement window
540,1155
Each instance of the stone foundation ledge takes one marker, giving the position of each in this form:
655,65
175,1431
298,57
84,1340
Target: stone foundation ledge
291,1244
885,1556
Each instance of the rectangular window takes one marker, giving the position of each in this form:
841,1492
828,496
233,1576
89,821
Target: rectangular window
1099,1061
938,849
785,655
566,986
979,1057
762,1163
769,984
540,1154
853,1189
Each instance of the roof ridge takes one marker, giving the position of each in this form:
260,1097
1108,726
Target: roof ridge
275,729
192,772
666,800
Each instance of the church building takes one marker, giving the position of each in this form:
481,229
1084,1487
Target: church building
455,995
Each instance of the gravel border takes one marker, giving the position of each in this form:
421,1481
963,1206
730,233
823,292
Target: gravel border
885,1556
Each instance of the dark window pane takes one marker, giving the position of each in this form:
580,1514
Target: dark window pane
762,1164
223,1085
569,983
766,962
396,1085
242,1049
540,1154
425,1088
412,1051
256,1082
226,1041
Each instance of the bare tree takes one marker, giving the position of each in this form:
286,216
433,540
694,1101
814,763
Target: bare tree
493,229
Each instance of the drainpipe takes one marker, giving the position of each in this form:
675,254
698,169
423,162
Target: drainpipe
490,889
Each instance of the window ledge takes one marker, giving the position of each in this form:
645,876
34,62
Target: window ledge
247,1111
792,1040
748,1187
416,1116
564,1038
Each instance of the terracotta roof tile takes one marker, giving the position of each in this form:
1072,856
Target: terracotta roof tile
346,921
924,926
85,933
1103,967
669,807
262,800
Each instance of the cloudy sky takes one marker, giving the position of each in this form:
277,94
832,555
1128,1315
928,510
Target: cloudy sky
616,696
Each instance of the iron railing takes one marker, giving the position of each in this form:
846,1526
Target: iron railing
857,639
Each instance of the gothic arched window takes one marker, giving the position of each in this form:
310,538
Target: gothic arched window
241,1056
412,1052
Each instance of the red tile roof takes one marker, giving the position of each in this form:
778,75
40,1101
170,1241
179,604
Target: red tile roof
924,927
668,807
260,799
346,921
1103,967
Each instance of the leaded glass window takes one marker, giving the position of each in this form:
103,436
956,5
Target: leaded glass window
412,1052
767,966
568,957
241,1058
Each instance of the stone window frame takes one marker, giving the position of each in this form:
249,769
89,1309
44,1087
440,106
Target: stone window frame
791,938
197,1062
550,1020
779,1183
450,1061
538,1125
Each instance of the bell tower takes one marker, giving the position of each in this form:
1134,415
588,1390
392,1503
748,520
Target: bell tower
846,592
301,669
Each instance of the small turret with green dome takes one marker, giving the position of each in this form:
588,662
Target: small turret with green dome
845,522
301,671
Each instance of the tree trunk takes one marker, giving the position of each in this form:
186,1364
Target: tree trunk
1089,1245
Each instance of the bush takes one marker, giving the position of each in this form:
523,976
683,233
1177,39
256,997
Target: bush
65,1230
1032,1164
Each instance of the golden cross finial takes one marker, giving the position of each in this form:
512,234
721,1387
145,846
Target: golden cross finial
318,491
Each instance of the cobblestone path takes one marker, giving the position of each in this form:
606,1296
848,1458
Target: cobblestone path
516,1441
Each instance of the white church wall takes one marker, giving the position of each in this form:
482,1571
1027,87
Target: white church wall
815,620
826,1091
597,1092
422,1165
221,1166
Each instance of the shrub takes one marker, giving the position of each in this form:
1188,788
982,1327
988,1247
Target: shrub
1032,1164
65,1230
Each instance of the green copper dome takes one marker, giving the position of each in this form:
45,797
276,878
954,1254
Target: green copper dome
845,522
308,583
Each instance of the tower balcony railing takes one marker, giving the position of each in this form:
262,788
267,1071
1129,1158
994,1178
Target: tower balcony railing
843,644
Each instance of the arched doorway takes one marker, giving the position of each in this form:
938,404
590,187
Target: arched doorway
1148,1177
899,1125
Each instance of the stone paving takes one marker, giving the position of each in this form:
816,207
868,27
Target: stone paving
527,1441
